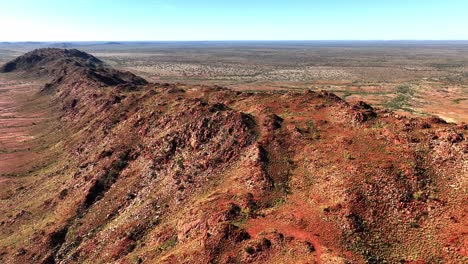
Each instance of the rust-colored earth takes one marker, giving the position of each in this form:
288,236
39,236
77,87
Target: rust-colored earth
97,165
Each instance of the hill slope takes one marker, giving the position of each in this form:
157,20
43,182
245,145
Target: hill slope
69,64
195,174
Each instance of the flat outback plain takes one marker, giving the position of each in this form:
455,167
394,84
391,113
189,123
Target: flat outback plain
234,152
416,77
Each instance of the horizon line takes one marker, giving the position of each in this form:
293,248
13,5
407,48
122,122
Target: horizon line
232,40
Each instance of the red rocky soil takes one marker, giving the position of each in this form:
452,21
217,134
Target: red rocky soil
138,172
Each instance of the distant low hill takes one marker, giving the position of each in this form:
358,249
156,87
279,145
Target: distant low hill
69,64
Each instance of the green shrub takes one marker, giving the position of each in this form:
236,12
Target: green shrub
250,250
170,243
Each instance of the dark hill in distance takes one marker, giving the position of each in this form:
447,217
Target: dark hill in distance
66,64
173,173
51,59
113,43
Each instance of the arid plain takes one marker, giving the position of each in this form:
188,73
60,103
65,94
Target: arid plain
415,77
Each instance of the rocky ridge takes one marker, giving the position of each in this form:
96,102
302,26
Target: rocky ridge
172,173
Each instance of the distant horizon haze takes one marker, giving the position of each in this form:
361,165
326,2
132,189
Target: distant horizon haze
236,40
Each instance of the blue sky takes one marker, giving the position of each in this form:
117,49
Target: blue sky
88,20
